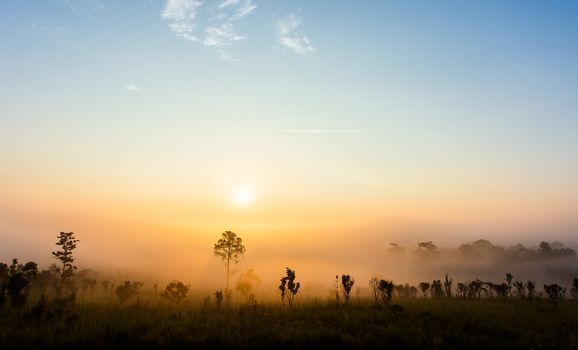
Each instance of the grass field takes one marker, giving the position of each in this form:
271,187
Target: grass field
408,323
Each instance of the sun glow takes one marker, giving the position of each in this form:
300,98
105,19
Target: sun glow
243,195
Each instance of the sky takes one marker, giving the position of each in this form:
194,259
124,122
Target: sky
310,128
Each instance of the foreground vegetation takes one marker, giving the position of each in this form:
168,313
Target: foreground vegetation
410,323
61,307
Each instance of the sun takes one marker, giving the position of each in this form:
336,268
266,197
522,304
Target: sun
243,195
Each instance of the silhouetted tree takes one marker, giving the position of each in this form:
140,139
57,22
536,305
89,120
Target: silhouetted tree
424,286
347,283
105,284
245,284
462,290
480,248
374,284
288,285
127,291
530,287
500,289
3,280
395,249
448,286
426,250
218,298
436,289
405,290
229,248
509,278
67,243
544,248
555,292
400,291
18,280
520,289
574,290
386,290
30,271
475,288
176,292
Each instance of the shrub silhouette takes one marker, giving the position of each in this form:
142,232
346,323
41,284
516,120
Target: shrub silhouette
501,289
374,285
448,286
127,291
218,298
475,288
574,290
436,289
15,281
405,291
67,243
176,292
520,289
288,287
424,286
386,290
347,283
555,292
462,290
3,280
531,287
509,278
245,284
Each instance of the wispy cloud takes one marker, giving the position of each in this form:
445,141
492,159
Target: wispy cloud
289,24
181,15
228,3
289,37
246,8
37,26
55,31
301,46
132,88
85,6
221,36
322,131
219,32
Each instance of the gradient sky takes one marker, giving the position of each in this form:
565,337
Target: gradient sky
133,124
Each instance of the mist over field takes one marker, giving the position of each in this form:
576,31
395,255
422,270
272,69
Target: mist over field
317,263
289,174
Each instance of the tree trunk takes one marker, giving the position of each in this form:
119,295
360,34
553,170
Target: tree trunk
227,295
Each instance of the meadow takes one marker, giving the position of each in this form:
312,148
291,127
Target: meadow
409,323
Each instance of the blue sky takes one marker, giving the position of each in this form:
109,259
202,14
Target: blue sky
383,106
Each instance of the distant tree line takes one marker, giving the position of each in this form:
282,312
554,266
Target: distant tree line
485,249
